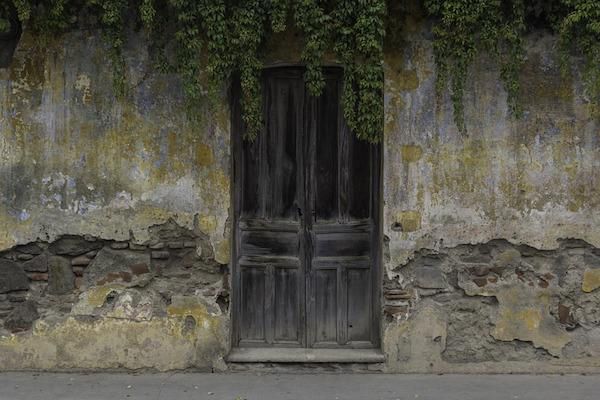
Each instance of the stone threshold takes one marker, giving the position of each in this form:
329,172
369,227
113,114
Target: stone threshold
295,355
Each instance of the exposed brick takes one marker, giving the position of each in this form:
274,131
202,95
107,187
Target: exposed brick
139,269
564,314
80,261
119,245
38,276
481,282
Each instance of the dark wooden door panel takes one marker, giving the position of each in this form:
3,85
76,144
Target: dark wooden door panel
326,188
286,305
306,193
359,304
326,306
284,121
265,243
253,291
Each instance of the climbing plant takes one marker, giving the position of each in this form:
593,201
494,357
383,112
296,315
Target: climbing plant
208,42
465,28
580,32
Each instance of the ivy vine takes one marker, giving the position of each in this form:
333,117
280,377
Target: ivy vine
465,28
209,41
580,32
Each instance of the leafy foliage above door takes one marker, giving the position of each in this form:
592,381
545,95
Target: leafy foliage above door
225,38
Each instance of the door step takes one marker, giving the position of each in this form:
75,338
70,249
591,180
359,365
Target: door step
290,355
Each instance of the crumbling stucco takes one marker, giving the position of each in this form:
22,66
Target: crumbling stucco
478,276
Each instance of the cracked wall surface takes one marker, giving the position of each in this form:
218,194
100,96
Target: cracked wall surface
114,214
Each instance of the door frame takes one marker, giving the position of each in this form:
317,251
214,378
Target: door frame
235,199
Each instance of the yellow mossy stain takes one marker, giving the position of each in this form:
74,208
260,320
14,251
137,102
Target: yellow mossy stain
411,153
172,149
204,155
527,320
462,170
161,343
410,220
578,197
97,296
185,306
207,223
11,227
407,80
223,252
220,181
591,280
188,306
525,315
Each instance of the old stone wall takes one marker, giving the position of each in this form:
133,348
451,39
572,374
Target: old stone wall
114,215
491,236
113,236
85,302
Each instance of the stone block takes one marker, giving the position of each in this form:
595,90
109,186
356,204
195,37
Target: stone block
591,280
37,264
119,245
12,277
17,297
30,248
73,246
61,279
22,317
110,263
429,278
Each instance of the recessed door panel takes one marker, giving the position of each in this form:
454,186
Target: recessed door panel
287,305
253,285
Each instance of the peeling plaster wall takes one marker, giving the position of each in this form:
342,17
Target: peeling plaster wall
495,196
76,161
472,222
79,167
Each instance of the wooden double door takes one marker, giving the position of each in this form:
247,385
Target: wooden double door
306,195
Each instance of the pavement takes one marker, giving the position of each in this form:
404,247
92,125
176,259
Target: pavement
247,386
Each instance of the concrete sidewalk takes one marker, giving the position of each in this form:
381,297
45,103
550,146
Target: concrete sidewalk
240,386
